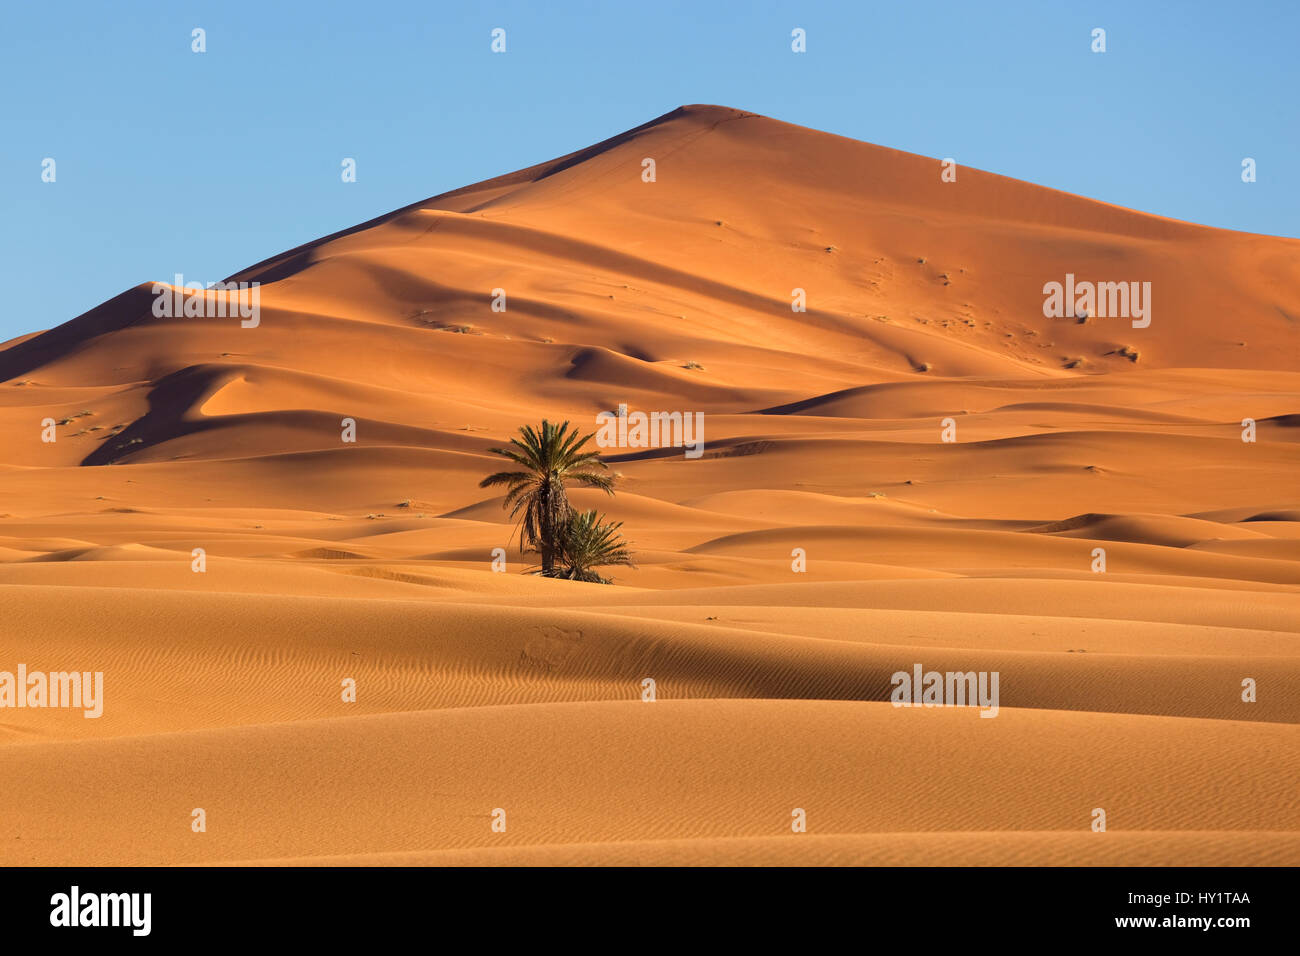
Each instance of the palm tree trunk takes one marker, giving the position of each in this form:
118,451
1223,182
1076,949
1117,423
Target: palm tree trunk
548,527
554,521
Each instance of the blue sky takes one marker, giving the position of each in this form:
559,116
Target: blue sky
170,161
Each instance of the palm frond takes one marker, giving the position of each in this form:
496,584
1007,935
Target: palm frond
591,542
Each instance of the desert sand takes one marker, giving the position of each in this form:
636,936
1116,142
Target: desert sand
479,691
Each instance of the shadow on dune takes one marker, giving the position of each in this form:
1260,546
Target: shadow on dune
126,309
170,400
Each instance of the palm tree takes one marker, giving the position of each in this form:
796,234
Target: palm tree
590,542
549,458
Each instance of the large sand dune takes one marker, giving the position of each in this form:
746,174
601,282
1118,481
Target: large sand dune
1120,689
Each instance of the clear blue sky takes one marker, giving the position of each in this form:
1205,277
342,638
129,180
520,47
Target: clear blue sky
170,161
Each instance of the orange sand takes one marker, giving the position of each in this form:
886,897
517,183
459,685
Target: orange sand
476,690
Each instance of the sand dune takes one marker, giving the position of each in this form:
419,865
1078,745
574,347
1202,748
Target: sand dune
855,768
919,468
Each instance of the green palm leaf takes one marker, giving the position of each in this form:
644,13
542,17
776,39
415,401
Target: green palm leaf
590,542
